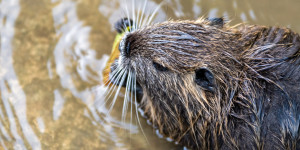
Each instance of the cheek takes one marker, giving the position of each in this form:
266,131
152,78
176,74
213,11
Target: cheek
142,69
141,73
149,79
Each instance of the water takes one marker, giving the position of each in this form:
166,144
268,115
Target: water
52,55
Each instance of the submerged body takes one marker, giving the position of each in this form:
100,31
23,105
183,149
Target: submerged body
211,86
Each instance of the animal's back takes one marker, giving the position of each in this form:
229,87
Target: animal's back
271,114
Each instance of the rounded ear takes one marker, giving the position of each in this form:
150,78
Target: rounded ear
217,22
205,79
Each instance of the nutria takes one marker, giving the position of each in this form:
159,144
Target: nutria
208,85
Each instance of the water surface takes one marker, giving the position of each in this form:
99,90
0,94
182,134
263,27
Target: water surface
52,54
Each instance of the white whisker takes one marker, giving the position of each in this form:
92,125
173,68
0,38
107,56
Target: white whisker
126,98
142,15
117,93
112,88
139,15
109,89
145,20
133,14
136,110
128,16
114,73
154,13
131,98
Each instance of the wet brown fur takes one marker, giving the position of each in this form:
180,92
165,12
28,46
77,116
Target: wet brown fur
256,102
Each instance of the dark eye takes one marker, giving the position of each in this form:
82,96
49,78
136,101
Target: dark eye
159,67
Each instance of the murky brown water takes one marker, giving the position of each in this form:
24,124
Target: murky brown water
52,55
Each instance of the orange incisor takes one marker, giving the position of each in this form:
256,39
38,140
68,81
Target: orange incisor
113,56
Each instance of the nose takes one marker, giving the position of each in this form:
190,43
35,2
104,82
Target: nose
124,46
127,48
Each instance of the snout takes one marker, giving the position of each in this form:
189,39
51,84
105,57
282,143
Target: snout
116,78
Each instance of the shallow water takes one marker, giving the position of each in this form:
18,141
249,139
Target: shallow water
52,55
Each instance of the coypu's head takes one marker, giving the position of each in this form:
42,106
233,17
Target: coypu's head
179,66
207,85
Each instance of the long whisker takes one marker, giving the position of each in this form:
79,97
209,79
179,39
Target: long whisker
143,12
121,75
117,93
145,20
126,98
125,11
154,13
131,98
138,18
110,91
128,16
112,88
133,13
136,110
115,78
113,75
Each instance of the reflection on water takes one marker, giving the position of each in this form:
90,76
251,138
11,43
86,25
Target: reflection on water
52,55
12,95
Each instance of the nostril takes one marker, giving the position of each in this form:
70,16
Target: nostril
124,46
127,49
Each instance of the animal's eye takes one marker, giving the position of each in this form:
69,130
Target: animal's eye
159,67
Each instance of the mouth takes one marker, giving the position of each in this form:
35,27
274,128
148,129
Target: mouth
116,79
